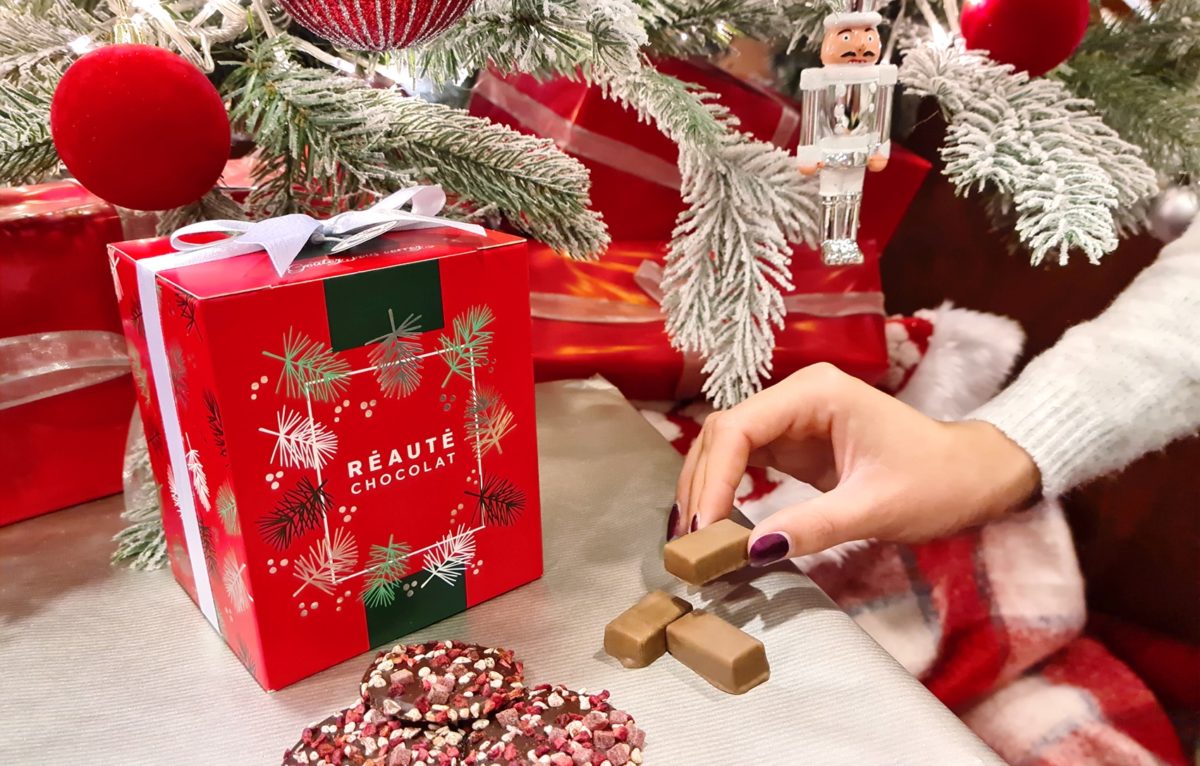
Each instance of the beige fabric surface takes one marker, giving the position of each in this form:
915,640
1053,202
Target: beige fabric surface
119,668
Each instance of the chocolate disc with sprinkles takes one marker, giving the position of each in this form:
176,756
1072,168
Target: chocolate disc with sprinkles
557,726
446,682
357,735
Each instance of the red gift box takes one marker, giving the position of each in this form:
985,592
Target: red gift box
603,317
56,308
635,181
355,440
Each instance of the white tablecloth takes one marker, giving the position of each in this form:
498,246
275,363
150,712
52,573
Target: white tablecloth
109,667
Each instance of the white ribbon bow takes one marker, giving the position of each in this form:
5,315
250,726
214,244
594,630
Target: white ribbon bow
286,236
283,238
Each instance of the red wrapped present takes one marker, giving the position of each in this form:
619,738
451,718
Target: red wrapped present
65,391
635,181
341,448
603,317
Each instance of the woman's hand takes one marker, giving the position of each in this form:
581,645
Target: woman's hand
887,471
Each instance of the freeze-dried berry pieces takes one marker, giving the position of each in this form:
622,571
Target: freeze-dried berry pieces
445,682
558,726
357,735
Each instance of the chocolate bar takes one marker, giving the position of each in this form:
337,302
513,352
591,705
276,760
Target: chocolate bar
638,636
728,658
702,556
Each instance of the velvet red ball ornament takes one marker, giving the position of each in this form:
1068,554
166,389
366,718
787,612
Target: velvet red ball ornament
376,25
140,127
1033,35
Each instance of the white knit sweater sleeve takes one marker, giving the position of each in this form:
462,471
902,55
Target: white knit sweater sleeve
1117,387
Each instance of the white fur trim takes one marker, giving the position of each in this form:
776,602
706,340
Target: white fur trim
860,19
970,357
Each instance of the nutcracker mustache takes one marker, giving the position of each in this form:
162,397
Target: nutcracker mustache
857,55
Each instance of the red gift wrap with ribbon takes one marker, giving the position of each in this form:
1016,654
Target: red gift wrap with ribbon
603,317
65,391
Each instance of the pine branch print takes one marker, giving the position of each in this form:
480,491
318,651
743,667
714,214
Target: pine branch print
215,425
488,420
326,562
298,512
468,347
141,380
450,558
179,376
153,436
301,442
235,583
310,366
500,502
199,478
209,547
227,509
388,565
185,305
113,259
396,357
173,491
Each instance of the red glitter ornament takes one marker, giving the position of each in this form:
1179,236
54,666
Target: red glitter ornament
140,127
1033,35
376,25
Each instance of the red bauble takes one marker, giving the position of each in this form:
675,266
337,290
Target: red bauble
140,127
1033,35
376,25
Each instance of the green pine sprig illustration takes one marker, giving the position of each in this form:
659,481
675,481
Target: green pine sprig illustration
310,366
299,511
228,510
467,348
388,564
396,357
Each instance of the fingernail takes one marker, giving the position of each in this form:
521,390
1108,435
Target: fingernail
771,547
695,523
672,522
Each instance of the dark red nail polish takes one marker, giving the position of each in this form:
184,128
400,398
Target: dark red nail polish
672,521
771,547
695,523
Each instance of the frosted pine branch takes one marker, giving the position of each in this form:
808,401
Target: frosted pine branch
27,152
36,37
141,544
728,262
541,37
216,204
363,142
1033,142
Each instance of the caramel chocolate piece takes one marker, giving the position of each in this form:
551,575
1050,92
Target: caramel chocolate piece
702,556
728,658
638,636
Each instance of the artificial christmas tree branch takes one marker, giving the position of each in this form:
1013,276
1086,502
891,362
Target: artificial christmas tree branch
1031,141
364,141
1143,74
26,149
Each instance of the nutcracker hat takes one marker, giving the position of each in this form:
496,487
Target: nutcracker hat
858,13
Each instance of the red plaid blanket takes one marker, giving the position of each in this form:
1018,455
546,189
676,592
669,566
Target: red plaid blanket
989,619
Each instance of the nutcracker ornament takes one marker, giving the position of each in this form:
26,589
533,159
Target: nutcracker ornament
846,121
